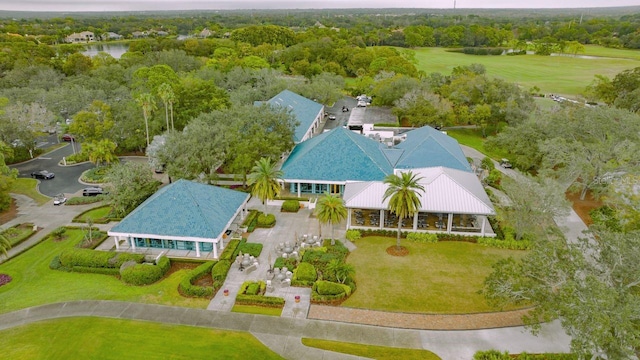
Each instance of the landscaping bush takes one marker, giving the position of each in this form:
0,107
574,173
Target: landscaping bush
83,200
220,270
59,232
145,274
305,272
422,237
290,263
251,220
380,232
290,206
487,163
230,250
494,178
353,235
497,355
261,300
266,220
496,226
510,244
95,175
605,216
186,286
323,287
457,237
77,158
253,249
74,257
257,287
18,233
5,279
253,289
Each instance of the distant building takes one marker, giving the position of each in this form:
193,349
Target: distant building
111,36
205,33
81,37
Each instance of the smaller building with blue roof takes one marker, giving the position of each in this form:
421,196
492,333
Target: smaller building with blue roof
307,113
184,215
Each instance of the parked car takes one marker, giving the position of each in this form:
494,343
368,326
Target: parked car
345,109
362,103
43,174
505,164
92,191
68,137
59,199
332,117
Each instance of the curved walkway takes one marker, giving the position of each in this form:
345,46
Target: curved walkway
478,321
283,335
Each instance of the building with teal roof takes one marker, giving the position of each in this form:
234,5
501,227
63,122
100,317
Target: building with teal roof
307,113
184,215
326,162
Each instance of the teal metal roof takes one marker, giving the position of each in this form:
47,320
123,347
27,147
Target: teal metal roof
337,155
427,147
186,209
304,110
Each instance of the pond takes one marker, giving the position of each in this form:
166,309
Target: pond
116,50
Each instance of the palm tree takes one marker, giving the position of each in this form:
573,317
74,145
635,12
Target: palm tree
165,91
341,270
148,104
330,209
403,198
4,244
101,152
264,178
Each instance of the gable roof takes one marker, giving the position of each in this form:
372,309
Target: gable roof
184,209
337,155
445,191
304,110
428,147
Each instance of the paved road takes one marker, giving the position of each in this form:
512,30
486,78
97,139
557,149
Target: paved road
66,180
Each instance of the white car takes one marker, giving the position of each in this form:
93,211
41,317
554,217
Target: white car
59,199
362,103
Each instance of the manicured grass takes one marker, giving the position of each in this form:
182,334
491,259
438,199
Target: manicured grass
473,138
443,277
260,310
28,187
100,214
371,351
552,74
97,338
35,284
18,234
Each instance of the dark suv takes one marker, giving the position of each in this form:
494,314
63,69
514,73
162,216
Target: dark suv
92,191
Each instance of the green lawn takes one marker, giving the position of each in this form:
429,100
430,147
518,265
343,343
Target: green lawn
473,138
443,277
260,310
98,213
371,351
97,338
28,187
552,74
35,284
18,234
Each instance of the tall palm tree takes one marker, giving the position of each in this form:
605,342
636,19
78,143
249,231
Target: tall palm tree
264,178
330,209
148,104
403,197
165,91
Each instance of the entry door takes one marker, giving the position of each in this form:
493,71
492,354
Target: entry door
335,188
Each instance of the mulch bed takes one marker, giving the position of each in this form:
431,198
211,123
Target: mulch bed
10,213
179,265
397,251
582,207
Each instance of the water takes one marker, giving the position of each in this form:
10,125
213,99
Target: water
115,50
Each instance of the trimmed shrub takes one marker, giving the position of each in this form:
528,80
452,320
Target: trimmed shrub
59,232
251,220
253,249
229,250
268,301
487,163
380,232
82,200
323,287
74,258
494,178
290,263
259,288
510,244
422,237
186,286
290,206
353,235
266,220
220,270
491,355
145,274
305,272
253,289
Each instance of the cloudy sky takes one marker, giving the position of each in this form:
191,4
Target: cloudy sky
135,5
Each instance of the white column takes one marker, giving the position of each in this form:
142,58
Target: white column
349,218
415,221
133,243
215,250
449,223
381,218
484,221
197,248
221,242
116,239
298,189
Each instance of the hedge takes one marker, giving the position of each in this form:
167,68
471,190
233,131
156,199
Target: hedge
227,253
268,301
73,257
145,274
422,237
353,235
323,287
186,286
290,206
251,221
220,270
257,287
281,262
497,355
305,272
83,200
510,244
266,220
253,249
9,233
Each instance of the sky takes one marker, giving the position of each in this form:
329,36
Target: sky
141,5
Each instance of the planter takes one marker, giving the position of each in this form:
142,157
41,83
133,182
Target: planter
297,298
226,292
